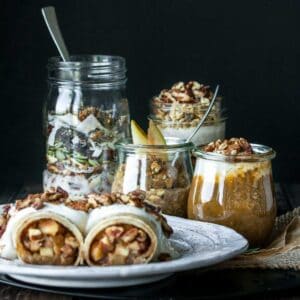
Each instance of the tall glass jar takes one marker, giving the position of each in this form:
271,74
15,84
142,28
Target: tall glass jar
235,191
86,114
163,171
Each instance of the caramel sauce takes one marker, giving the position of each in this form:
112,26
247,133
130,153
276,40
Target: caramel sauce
243,201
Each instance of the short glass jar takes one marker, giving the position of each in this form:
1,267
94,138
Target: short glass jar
180,120
163,171
86,114
235,191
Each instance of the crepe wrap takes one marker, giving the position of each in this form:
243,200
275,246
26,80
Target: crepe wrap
104,217
73,220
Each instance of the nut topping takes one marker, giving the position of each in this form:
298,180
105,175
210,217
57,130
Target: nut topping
185,104
233,146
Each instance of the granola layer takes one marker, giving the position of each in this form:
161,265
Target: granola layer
166,185
80,146
184,104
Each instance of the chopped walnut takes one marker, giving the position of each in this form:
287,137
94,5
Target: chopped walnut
96,135
85,112
135,198
37,200
82,205
155,167
4,218
191,92
184,105
233,146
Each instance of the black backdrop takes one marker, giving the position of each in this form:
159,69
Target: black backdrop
251,48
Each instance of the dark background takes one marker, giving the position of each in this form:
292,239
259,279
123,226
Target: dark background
251,48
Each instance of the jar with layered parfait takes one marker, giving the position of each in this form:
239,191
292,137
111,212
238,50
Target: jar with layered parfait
86,114
163,171
233,186
177,112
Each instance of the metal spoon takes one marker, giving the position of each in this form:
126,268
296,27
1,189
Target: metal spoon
53,27
212,102
200,123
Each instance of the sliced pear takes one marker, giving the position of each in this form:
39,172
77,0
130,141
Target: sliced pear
139,136
155,137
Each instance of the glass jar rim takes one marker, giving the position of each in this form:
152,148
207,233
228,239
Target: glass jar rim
176,147
99,71
87,61
261,153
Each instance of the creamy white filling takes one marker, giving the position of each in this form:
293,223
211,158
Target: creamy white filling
75,186
7,248
205,135
210,168
89,124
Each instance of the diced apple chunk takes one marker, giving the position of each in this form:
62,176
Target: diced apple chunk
134,247
114,232
96,251
49,227
34,245
106,245
46,251
34,234
129,235
67,251
70,240
121,250
117,259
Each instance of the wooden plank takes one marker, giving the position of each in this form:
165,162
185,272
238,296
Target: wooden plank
9,293
292,191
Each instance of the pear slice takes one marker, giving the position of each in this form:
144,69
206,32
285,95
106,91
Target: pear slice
155,137
139,136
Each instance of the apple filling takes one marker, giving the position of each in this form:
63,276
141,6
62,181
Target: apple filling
47,242
120,245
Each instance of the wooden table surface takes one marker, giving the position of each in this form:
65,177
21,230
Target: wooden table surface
288,197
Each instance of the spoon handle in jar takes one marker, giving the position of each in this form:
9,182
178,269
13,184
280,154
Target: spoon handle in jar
53,27
212,102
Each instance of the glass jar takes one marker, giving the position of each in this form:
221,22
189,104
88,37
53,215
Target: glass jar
163,171
178,119
235,191
86,114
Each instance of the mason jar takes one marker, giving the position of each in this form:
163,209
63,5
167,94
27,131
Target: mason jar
236,191
163,171
86,114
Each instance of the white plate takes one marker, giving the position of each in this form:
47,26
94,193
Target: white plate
200,245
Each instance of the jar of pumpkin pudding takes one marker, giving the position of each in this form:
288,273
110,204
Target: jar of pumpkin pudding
233,186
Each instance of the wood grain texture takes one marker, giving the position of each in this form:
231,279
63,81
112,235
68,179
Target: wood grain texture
12,293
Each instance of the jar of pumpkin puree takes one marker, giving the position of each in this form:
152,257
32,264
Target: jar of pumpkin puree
233,186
